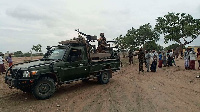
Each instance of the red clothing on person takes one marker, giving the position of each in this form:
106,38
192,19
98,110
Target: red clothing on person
160,64
10,64
192,64
2,68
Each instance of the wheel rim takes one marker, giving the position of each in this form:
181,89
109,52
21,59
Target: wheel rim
105,77
44,88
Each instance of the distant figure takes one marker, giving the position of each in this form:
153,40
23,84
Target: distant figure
170,57
181,54
2,67
173,61
154,64
186,58
160,60
9,60
141,57
130,55
164,59
192,55
101,43
198,57
148,58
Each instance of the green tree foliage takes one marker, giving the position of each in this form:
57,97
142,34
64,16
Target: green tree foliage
137,37
37,48
152,45
173,46
146,33
28,54
178,27
120,42
18,54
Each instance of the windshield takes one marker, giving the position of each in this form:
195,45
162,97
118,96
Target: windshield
57,54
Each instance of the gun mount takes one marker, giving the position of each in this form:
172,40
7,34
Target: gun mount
88,37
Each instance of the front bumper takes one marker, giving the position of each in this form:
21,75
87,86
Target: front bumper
17,83
16,80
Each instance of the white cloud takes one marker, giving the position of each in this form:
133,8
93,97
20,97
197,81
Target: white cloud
25,23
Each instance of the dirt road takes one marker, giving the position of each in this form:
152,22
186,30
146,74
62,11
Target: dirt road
170,89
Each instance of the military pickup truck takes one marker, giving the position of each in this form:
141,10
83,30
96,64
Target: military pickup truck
70,61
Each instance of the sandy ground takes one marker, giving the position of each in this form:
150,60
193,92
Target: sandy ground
170,89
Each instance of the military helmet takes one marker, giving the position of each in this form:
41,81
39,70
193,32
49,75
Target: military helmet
102,34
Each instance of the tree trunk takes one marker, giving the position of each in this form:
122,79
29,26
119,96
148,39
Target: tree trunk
180,48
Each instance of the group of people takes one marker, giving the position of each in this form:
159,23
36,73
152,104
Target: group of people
2,66
150,58
190,56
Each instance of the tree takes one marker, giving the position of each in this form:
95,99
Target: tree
146,33
37,48
28,54
178,27
173,46
18,54
152,45
120,42
135,38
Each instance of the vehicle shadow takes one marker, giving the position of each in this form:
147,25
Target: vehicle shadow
19,96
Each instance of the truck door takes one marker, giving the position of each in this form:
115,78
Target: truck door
76,65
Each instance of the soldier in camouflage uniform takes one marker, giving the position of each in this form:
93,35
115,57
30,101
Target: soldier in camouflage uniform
101,43
141,57
130,55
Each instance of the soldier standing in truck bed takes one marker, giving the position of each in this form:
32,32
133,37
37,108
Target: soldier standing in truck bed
101,43
141,56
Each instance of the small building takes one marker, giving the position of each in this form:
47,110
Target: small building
195,47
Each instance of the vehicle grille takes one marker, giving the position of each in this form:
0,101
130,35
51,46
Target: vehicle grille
16,73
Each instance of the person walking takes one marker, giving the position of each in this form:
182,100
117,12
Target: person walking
160,60
186,58
130,55
171,57
141,57
148,58
192,55
9,60
2,67
164,59
198,57
173,61
154,64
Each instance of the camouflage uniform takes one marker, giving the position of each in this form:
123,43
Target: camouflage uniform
101,43
141,57
130,55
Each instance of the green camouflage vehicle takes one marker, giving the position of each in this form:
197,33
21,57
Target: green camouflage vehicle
62,64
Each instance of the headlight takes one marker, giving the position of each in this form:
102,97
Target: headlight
26,74
33,72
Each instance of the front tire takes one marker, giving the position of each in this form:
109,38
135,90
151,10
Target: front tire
44,88
104,77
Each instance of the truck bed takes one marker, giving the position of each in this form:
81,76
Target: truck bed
98,65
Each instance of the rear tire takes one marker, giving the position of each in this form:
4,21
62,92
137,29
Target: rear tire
44,88
104,77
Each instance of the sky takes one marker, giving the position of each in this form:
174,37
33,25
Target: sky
24,23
